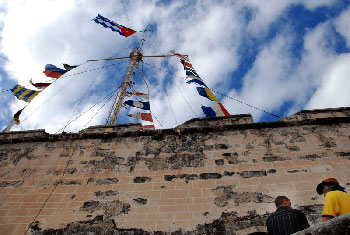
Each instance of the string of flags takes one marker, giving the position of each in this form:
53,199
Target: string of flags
122,30
192,76
145,105
52,71
28,95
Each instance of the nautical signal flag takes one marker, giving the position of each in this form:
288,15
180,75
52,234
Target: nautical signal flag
197,80
69,67
23,93
138,104
186,64
145,96
142,116
182,57
39,85
207,93
216,110
16,117
191,72
122,30
53,72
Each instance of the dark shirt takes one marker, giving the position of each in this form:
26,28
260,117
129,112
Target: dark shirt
286,221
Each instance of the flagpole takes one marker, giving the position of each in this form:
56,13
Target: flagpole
135,56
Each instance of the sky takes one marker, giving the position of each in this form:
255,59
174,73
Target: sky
259,57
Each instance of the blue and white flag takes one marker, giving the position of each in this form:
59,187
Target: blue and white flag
138,104
122,30
196,80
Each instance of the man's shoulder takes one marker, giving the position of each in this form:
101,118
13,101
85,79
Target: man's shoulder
296,211
337,193
285,212
289,211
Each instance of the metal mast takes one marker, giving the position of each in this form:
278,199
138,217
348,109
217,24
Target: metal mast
135,56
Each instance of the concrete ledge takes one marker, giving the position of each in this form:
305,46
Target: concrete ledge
218,121
338,225
319,113
116,128
196,125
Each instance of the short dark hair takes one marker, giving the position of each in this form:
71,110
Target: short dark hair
279,200
333,187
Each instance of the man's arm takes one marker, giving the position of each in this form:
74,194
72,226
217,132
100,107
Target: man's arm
269,226
326,218
303,220
330,207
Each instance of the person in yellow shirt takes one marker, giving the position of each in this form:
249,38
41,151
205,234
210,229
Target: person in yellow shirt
337,201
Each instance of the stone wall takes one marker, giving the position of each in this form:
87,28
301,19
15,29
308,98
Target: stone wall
206,176
338,225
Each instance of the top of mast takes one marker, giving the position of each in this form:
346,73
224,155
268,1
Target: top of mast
135,56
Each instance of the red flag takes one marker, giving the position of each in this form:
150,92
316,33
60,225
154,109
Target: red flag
143,116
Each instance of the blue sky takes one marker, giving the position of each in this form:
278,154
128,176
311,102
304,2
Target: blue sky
279,56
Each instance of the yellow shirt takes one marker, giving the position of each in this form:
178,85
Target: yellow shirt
336,203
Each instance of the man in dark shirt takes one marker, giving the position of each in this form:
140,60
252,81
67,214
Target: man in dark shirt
286,220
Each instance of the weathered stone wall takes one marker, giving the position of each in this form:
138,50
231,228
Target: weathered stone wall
207,176
338,225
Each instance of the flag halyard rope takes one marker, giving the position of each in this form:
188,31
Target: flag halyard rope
242,102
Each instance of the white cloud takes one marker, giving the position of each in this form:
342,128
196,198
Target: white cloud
267,84
209,32
343,26
334,90
266,12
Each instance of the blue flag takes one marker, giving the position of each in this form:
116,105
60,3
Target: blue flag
122,30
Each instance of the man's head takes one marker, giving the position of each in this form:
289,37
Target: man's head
283,201
327,185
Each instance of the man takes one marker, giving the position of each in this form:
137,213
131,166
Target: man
286,220
337,201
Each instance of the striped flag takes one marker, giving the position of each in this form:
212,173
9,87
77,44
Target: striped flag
216,110
207,93
23,93
142,116
191,72
122,30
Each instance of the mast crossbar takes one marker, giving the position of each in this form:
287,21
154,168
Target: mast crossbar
128,57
